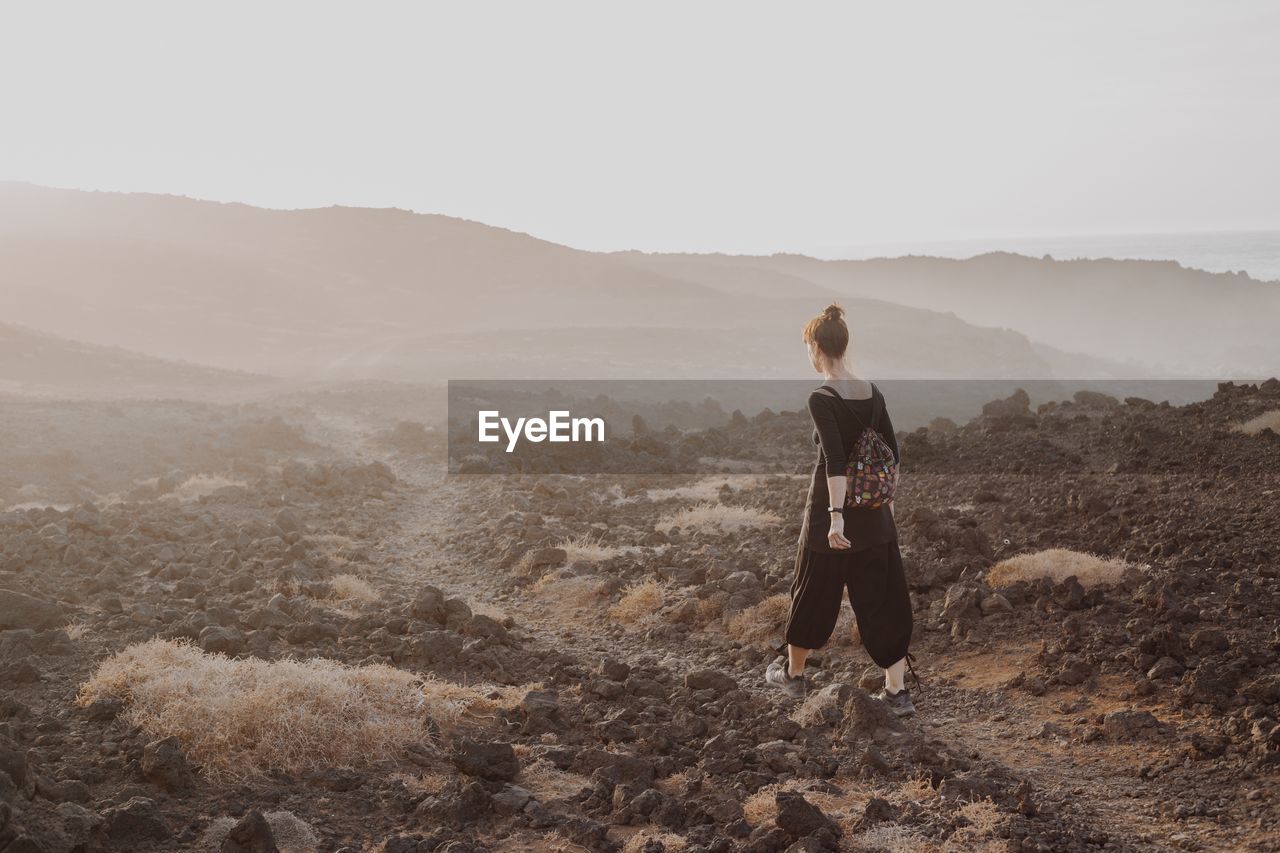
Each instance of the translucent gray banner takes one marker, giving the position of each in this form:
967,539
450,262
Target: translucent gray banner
760,426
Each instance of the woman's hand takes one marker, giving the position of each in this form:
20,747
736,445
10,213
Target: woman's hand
835,538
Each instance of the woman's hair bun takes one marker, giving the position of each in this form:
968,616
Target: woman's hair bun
828,331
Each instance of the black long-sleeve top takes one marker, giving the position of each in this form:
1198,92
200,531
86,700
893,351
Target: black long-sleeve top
837,424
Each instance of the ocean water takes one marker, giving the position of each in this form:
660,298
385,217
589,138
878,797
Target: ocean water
1254,252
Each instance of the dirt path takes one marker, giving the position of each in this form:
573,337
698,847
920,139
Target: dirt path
1033,736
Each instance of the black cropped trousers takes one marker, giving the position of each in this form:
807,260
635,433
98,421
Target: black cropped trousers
876,585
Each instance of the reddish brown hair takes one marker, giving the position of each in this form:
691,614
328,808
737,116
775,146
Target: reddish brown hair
829,332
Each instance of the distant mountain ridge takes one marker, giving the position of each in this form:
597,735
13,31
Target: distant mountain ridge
354,292
34,362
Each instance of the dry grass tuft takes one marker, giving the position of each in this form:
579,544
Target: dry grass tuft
983,822
1266,420
589,549
1058,564
569,592
717,518
916,790
707,489
423,784
761,808
292,834
199,485
352,589
761,621
670,842
237,718
548,782
893,838
76,631
639,603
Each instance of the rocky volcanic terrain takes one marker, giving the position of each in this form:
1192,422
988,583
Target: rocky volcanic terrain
601,641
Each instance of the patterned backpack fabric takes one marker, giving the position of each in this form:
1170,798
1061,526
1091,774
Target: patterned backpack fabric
872,473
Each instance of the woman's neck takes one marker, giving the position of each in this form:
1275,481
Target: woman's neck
837,372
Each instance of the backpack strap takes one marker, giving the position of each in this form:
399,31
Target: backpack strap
877,405
875,399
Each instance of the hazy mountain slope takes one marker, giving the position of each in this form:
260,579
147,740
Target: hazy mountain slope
1180,320
358,292
40,363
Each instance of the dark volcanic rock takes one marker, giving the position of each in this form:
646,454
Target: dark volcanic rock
135,821
164,764
251,835
710,679
22,611
800,818
429,606
496,761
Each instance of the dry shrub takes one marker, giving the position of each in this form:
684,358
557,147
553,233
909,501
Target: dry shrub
236,718
708,489
199,485
675,782
670,842
916,790
845,807
760,621
983,822
1266,420
569,592
76,631
719,518
423,784
455,704
640,602
333,546
891,837
761,808
589,549
352,589
1058,564
292,833
548,782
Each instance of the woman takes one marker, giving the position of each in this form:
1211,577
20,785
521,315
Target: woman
854,548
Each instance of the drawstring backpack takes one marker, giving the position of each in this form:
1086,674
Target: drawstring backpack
872,472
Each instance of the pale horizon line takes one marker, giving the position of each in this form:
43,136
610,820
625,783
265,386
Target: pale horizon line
816,252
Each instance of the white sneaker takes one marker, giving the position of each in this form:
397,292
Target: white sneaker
776,675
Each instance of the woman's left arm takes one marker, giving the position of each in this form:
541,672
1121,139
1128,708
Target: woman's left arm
891,439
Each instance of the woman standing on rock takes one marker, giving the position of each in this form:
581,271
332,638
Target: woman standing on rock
845,547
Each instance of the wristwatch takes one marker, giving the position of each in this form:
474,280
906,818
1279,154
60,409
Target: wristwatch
835,509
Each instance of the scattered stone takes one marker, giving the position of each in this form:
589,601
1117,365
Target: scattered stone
710,679
23,611
495,761
798,818
165,765
1129,724
252,834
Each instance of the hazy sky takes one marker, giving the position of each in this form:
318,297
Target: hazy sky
735,126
